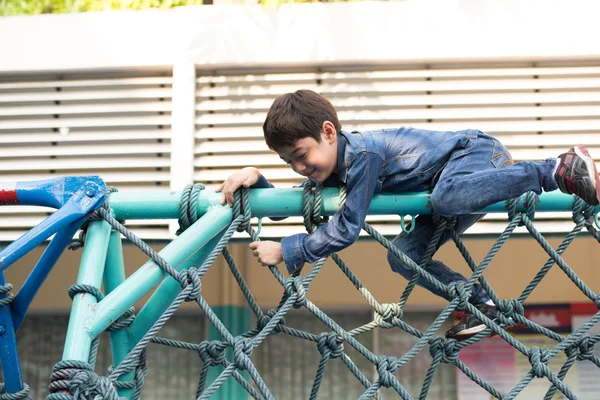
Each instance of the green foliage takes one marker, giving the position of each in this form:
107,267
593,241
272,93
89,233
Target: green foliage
30,7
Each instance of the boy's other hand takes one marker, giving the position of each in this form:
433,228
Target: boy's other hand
267,252
245,177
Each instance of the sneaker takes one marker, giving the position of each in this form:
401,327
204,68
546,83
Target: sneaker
576,174
470,325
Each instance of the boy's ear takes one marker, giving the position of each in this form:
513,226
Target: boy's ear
329,132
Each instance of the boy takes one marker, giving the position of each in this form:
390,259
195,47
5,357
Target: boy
466,171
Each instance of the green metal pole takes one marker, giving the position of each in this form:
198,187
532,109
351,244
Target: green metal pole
164,295
150,274
114,275
237,320
79,339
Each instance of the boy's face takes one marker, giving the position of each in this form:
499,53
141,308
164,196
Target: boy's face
315,160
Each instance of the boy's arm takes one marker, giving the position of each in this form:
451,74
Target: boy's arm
262,183
344,227
249,177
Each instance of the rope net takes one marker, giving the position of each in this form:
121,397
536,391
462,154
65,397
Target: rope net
77,380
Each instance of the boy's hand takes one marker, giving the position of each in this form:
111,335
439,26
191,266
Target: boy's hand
245,177
267,252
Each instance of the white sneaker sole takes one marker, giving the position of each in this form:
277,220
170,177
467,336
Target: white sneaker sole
471,331
476,329
581,151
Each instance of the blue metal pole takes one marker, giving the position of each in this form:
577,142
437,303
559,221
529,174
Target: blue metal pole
39,274
57,191
76,197
150,274
288,202
69,213
91,270
9,357
164,295
114,275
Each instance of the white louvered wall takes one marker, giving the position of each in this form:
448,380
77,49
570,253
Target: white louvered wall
537,109
116,125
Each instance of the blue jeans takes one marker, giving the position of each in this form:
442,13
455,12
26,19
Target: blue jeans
484,176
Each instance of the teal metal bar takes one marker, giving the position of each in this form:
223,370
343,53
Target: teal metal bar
548,202
114,275
150,274
164,295
288,202
91,270
150,205
237,321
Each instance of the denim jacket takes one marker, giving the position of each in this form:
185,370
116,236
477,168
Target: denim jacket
390,160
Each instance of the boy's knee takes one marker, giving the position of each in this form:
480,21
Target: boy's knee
398,265
443,203
392,259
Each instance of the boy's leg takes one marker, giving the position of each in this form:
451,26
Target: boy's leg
487,175
415,244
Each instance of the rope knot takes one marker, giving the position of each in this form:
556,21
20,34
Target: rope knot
63,371
331,344
191,277
539,361
509,310
582,212
584,349
530,200
95,215
188,206
511,205
459,290
80,241
295,286
85,288
22,394
212,353
88,385
386,369
388,315
263,320
448,349
137,383
451,222
242,350
124,320
241,208
312,201
5,289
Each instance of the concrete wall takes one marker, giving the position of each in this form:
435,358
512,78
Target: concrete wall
356,32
